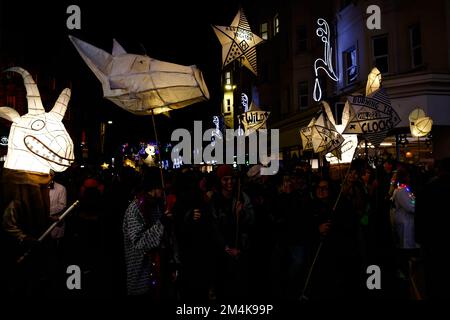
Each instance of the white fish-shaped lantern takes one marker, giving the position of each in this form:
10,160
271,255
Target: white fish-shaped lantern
140,84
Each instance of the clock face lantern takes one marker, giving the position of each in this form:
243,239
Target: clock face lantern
38,140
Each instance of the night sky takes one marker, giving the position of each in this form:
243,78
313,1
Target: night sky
35,36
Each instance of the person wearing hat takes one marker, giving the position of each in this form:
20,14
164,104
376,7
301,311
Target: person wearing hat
233,216
149,241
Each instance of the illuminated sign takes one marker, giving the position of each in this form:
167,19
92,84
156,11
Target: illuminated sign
254,119
372,116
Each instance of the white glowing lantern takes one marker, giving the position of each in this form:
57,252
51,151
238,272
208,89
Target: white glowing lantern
419,124
38,140
306,136
150,151
238,41
324,136
373,81
314,164
140,84
348,147
254,119
129,163
104,166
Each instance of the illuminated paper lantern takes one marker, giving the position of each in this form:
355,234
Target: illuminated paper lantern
148,155
324,136
38,140
348,147
373,81
372,115
104,166
306,136
320,135
423,126
419,124
238,41
129,163
347,150
254,119
140,84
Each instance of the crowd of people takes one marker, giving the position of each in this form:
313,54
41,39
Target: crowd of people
235,235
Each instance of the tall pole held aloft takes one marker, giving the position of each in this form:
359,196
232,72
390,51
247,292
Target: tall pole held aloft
319,248
49,229
159,156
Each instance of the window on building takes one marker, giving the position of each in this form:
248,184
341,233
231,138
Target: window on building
416,45
228,105
302,95
276,25
264,30
302,39
228,77
381,53
351,65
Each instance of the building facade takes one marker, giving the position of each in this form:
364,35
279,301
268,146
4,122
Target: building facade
411,49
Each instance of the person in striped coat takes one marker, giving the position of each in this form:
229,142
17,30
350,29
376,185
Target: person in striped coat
149,242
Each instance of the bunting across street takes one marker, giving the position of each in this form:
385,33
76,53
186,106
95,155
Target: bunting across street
238,41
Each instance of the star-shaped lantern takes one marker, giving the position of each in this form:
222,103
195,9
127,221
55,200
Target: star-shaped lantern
321,136
348,147
325,137
105,166
238,41
306,135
